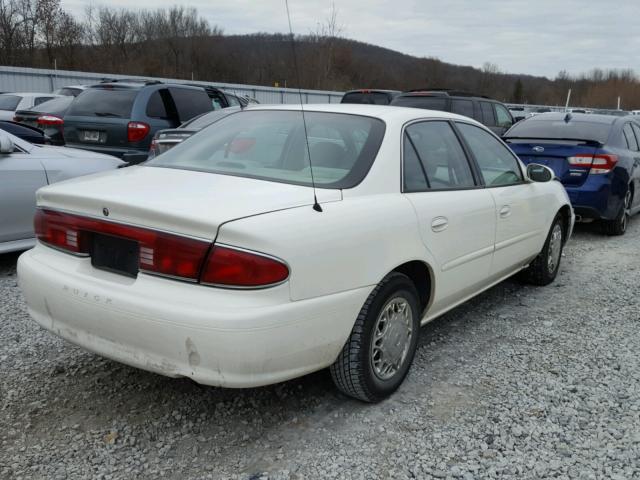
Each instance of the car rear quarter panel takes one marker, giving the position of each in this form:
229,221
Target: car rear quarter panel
353,243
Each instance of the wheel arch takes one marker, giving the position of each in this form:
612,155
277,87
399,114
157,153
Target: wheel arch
421,274
565,213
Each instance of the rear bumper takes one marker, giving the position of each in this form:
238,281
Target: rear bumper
594,199
216,337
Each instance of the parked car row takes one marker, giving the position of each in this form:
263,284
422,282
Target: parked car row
116,117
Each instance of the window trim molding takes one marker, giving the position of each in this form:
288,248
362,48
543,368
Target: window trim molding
475,160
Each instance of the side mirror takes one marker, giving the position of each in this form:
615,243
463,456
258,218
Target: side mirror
539,173
6,144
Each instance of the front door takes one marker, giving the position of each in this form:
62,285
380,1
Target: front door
456,215
520,222
20,176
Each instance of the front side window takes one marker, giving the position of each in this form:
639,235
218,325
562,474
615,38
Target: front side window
233,100
272,145
503,116
498,165
439,154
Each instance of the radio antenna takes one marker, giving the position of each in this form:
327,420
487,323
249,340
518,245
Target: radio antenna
316,205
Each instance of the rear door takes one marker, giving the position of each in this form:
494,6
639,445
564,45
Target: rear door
456,215
520,213
20,176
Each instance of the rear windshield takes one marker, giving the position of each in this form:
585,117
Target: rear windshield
270,145
9,102
207,119
430,103
541,128
57,105
101,102
372,98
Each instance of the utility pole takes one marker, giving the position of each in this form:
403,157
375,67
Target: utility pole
566,107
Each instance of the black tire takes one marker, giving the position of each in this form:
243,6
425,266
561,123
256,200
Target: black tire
540,271
353,371
618,226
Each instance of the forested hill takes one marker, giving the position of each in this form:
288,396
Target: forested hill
177,42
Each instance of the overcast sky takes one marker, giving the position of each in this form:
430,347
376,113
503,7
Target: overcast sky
539,37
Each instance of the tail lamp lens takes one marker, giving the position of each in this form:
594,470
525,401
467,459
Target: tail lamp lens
164,253
599,163
136,131
239,268
48,120
160,252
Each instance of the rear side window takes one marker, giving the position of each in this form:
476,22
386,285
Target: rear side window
371,98
632,143
9,102
39,100
156,107
430,103
498,165
103,102
487,114
462,107
190,102
440,155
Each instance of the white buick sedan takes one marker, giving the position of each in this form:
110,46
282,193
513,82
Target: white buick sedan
214,262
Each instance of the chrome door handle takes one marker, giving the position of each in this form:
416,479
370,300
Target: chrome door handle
439,224
505,211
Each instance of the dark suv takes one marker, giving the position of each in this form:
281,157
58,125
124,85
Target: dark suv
370,96
120,117
485,110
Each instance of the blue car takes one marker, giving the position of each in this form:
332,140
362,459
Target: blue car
596,157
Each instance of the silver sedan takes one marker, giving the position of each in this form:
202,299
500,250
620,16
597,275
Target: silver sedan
25,167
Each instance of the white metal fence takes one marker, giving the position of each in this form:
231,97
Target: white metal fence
20,79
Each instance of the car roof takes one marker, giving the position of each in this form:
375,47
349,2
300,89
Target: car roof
383,112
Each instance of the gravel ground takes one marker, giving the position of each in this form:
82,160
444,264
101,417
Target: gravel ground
521,382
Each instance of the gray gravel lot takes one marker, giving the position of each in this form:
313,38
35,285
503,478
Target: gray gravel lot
521,382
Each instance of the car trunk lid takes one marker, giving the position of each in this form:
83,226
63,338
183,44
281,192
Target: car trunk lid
184,202
559,156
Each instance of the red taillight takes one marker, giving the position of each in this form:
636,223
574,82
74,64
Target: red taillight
136,131
49,120
598,163
60,231
164,253
160,252
603,163
238,268
17,119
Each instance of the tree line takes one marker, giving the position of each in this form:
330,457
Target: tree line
178,42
